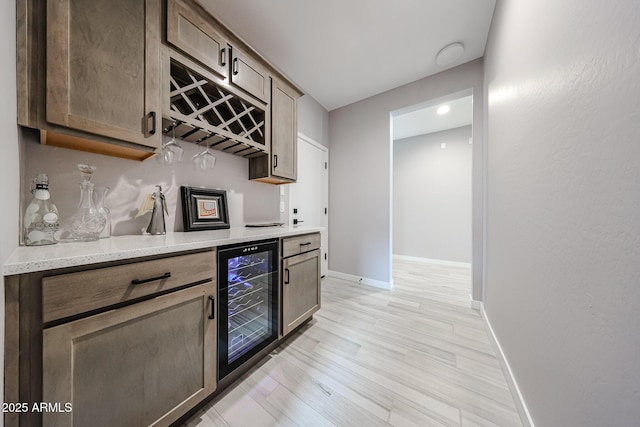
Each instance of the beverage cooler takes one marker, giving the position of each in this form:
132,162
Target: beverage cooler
247,302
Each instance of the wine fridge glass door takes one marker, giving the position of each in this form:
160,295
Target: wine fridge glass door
247,295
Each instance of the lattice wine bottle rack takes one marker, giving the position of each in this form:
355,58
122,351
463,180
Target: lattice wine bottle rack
202,111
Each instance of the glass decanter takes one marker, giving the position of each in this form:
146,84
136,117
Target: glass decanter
100,194
40,219
87,222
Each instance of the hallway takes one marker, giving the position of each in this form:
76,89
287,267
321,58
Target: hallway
413,356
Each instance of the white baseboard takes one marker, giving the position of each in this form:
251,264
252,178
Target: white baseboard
476,305
521,405
432,261
361,280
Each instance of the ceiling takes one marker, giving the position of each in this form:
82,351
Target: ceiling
427,120
342,51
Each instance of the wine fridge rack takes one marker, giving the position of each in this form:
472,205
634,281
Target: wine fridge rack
204,112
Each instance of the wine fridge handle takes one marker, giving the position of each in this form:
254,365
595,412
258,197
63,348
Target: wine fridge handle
286,279
213,307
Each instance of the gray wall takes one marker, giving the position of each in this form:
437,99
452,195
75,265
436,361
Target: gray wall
360,174
10,158
563,206
432,196
313,120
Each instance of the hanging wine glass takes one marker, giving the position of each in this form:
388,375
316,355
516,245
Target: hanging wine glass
171,152
205,159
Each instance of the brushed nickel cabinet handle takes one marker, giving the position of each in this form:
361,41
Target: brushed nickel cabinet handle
151,279
275,160
223,56
235,66
286,272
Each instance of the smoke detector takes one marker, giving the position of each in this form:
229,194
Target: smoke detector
449,54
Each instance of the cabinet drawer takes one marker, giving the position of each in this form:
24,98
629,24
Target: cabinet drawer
300,244
75,293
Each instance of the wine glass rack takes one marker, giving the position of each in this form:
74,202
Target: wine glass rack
204,111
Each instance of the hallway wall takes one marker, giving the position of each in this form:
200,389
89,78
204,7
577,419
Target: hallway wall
432,196
563,206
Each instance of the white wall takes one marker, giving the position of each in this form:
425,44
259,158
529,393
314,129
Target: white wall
563,206
360,174
10,158
432,196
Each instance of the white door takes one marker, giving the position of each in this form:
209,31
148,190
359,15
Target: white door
309,196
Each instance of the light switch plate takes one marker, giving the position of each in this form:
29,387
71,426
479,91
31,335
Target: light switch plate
282,190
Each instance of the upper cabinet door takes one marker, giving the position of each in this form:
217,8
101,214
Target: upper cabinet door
103,68
249,75
190,32
284,138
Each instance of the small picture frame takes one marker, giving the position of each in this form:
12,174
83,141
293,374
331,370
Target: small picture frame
204,209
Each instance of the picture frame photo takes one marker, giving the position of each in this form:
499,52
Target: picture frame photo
204,209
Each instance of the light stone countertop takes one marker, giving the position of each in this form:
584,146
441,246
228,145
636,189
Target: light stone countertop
29,259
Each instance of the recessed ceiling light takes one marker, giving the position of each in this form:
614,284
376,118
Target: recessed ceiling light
449,54
443,109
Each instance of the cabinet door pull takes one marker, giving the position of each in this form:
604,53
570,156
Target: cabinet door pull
235,66
213,307
286,273
304,244
151,279
152,129
275,160
223,56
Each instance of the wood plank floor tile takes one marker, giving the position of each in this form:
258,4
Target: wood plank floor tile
417,355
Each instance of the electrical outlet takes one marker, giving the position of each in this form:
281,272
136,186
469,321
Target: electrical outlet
281,207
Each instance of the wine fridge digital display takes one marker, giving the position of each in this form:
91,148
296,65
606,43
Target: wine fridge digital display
247,302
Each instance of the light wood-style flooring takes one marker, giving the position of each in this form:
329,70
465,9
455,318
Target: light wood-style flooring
414,356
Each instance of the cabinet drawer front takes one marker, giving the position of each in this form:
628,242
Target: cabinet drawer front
300,244
75,293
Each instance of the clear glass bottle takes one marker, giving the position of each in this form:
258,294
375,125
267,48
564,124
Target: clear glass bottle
41,226
100,194
87,222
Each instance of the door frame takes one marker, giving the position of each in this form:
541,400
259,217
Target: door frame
478,182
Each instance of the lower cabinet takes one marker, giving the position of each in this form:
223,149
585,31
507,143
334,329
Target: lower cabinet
143,364
300,285
130,343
